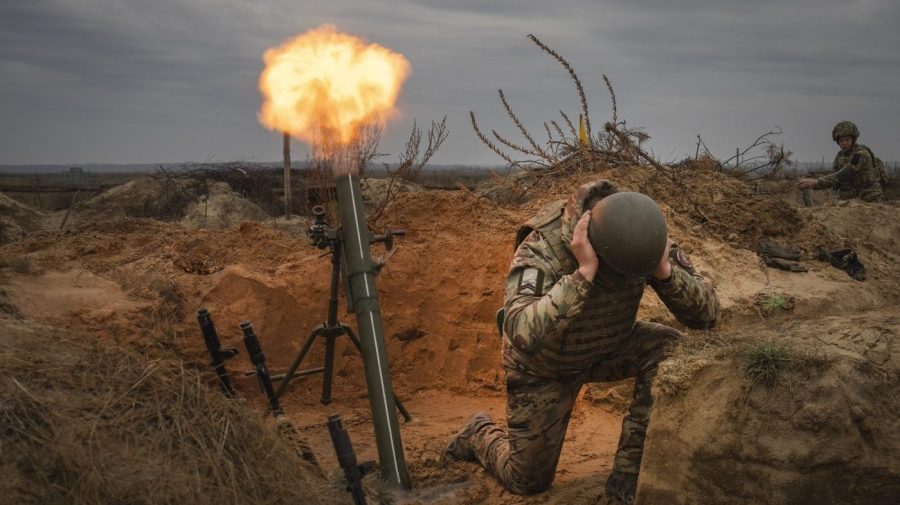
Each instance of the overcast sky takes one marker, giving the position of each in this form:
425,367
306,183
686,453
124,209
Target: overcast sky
142,81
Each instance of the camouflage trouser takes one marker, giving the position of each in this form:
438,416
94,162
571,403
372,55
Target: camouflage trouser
872,194
524,457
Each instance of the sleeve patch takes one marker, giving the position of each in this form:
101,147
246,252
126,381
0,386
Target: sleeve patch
531,282
682,259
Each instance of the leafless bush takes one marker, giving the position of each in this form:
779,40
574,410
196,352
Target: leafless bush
762,155
253,181
567,149
412,161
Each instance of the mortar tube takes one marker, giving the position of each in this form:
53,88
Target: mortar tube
807,197
361,280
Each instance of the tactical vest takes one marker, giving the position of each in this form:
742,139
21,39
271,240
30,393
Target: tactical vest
863,184
548,219
608,314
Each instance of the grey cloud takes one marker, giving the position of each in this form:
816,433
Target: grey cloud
176,79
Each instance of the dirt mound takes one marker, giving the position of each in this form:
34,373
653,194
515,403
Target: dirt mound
376,191
458,248
809,418
872,231
158,197
723,205
196,203
90,423
18,220
859,223
701,196
221,208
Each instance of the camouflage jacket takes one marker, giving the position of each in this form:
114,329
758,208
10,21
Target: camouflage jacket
855,175
558,325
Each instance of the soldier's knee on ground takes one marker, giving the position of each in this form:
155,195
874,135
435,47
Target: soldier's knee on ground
660,346
528,488
529,481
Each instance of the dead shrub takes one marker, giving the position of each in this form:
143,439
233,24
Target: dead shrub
90,423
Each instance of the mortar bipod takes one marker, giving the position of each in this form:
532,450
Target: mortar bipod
330,330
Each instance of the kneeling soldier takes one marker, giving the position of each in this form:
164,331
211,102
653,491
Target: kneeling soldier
571,301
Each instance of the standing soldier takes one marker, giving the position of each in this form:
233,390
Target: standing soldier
571,301
855,172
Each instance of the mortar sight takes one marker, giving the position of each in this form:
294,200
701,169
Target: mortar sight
319,233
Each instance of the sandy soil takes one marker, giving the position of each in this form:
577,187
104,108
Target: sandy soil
141,280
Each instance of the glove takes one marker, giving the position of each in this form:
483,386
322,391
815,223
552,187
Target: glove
846,260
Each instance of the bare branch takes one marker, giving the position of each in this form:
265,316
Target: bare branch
411,163
537,151
510,144
667,171
761,140
367,144
565,64
437,134
612,96
487,141
569,123
558,130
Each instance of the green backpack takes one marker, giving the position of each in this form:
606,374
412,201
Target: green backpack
879,166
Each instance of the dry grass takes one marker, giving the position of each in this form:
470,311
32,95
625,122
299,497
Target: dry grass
773,303
763,357
763,362
90,423
693,353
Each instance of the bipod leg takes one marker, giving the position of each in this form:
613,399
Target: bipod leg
330,335
407,417
302,354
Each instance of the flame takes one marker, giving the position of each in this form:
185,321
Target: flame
327,84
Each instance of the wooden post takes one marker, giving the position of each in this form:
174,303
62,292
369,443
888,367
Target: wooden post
737,157
287,176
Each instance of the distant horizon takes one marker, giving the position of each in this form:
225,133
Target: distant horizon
140,167
45,168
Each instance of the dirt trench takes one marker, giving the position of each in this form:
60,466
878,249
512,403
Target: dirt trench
140,281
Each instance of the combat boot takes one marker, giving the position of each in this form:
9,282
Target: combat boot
620,488
460,447
770,248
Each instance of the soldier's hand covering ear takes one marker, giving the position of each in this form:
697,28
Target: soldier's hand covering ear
588,262
663,270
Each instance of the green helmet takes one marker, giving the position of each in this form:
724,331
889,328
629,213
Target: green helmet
628,232
844,129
